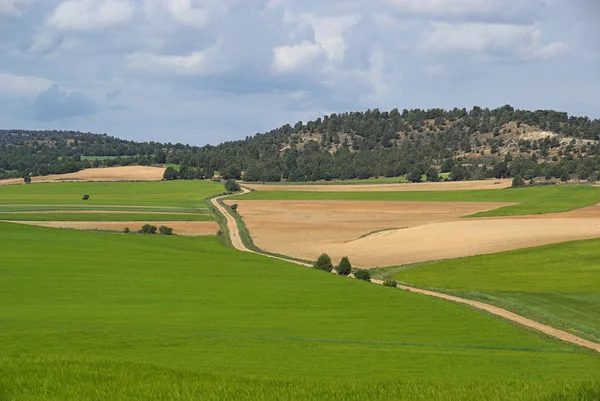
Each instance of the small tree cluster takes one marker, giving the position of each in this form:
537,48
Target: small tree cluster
148,229
324,263
518,181
27,179
164,230
126,230
362,274
232,186
234,207
390,283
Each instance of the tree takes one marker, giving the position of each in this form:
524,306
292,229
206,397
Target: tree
324,263
345,267
234,207
432,174
164,230
518,181
27,179
148,229
170,174
414,175
362,274
232,186
390,283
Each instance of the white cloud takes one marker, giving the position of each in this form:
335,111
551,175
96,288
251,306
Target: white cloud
191,13
22,85
12,6
195,63
447,8
83,15
475,37
329,32
292,58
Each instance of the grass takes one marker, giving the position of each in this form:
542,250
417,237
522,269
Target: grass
530,200
185,194
92,158
103,217
558,284
89,315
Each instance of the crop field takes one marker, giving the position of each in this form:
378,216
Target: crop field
558,284
104,216
153,317
533,200
183,194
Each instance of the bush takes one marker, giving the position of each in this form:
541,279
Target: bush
344,268
126,230
164,230
85,197
170,174
234,207
518,181
27,179
232,186
219,233
148,229
324,263
363,275
390,283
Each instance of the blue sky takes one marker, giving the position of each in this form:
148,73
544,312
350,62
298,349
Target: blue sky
207,71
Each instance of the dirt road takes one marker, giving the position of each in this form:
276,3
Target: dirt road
237,242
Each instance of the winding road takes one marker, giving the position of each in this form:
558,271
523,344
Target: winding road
236,241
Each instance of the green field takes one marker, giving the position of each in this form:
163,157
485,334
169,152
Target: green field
92,158
531,200
90,315
183,194
104,217
558,284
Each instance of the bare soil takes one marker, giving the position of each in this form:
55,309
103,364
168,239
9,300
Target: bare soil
376,234
125,173
179,227
422,186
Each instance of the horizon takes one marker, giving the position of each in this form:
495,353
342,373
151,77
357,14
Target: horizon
198,72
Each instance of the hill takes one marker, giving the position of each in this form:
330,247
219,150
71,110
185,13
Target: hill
475,144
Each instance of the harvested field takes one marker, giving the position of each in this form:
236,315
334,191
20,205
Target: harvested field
393,233
125,173
179,227
424,186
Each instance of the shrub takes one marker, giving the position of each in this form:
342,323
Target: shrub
518,181
148,229
390,283
164,230
85,197
232,186
219,233
324,263
363,275
126,230
344,268
27,179
234,207
170,174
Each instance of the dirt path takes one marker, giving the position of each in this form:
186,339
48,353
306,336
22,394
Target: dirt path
237,243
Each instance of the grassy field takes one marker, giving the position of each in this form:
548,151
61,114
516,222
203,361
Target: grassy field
558,284
104,217
531,200
145,317
184,194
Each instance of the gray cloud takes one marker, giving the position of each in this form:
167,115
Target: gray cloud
57,104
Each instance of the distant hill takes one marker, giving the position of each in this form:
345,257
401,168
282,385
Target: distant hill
475,144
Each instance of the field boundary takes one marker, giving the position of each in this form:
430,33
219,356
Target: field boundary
238,243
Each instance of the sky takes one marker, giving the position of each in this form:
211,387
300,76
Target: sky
209,71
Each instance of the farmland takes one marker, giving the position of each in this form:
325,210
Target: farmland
94,323
557,284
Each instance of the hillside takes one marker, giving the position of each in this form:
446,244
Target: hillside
475,144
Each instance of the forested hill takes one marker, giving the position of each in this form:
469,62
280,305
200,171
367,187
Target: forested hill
479,143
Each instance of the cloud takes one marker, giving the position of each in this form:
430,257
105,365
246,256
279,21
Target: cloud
57,104
479,38
21,85
85,15
12,7
294,58
194,63
329,32
191,13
